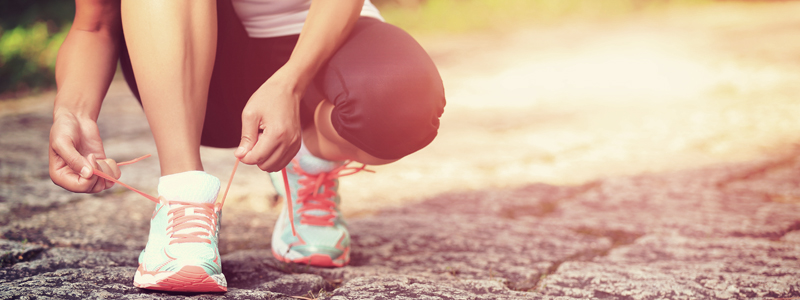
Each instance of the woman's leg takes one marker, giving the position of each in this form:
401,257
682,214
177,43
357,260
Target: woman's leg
378,98
172,46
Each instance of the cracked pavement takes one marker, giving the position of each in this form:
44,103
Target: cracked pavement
606,197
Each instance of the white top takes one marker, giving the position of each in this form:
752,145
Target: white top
272,18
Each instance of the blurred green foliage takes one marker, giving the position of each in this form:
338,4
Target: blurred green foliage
31,32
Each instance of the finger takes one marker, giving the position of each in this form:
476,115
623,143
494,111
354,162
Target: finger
250,123
282,163
291,154
286,146
79,164
270,164
114,168
107,169
63,176
287,156
262,150
100,185
283,153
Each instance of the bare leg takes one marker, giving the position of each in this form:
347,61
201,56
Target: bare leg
172,46
324,142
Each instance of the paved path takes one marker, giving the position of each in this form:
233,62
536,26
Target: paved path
679,188
726,232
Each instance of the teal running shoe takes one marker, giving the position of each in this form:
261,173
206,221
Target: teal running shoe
321,236
181,253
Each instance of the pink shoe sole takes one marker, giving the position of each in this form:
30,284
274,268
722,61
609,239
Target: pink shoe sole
187,279
318,260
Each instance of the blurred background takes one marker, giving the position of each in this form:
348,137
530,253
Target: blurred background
554,91
31,31
30,34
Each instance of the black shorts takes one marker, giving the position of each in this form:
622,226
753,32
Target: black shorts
387,93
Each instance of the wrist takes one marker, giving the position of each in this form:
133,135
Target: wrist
75,107
71,112
292,79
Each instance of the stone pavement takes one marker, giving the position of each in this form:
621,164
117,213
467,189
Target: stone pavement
655,182
724,232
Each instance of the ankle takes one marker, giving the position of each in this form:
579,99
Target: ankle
313,164
190,186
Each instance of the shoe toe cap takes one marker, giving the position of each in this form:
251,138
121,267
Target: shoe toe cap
308,250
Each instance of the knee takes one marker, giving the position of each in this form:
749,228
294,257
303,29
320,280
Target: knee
387,92
394,116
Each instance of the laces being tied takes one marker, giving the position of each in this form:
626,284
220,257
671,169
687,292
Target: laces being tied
217,205
200,214
308,195
315,193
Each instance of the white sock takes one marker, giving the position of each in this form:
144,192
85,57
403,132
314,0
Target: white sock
312,164
190,186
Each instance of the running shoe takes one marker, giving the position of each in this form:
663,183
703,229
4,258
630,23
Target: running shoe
321,237
181,253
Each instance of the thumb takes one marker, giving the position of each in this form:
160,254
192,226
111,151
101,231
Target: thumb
249,135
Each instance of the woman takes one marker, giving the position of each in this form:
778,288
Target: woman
297,84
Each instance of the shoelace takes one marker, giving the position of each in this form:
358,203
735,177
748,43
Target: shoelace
181,220
311,199
200,216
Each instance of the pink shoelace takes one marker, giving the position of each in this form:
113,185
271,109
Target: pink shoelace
181,220
308,194
203,216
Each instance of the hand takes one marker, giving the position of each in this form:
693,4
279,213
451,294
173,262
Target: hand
271,125
76,149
